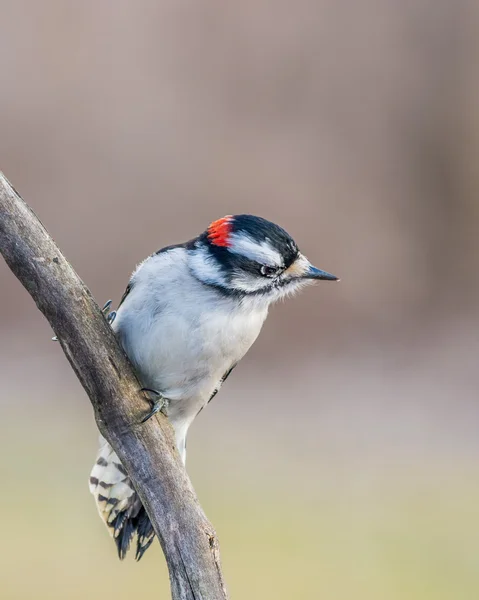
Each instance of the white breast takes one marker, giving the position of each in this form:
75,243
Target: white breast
181,335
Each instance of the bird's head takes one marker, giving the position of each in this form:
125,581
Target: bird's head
248,256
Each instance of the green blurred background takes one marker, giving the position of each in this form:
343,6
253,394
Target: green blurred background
340,460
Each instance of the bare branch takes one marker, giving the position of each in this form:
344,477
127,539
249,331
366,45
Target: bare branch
148,450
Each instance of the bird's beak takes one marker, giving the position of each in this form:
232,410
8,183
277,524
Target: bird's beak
303,269
314,273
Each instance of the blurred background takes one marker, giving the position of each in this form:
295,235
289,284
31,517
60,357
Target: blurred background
341,458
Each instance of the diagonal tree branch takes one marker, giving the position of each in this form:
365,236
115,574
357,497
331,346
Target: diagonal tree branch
148,450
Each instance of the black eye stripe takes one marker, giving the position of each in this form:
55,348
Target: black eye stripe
270,271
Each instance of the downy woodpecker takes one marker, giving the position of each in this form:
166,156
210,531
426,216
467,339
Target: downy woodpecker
189,314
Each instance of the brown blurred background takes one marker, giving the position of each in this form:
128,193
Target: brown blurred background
341,458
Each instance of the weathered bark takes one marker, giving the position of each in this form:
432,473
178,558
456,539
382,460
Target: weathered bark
147,450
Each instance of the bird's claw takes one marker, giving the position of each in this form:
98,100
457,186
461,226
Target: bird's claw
106,307
109,316
159,404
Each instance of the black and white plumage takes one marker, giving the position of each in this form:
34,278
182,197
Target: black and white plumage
188,316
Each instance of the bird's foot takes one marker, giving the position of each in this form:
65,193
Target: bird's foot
109,316
106,307
158,404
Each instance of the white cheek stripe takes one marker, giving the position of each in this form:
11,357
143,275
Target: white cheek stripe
247,282
262,252
204,267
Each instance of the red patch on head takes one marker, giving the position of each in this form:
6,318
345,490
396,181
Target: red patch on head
219,231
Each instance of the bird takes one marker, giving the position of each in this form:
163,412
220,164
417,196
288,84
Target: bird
189,314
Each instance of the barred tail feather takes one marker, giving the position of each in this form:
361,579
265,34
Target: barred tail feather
118,503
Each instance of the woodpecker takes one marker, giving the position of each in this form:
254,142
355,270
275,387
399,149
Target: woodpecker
188,316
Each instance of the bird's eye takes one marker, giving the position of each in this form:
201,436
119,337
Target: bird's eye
269,271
